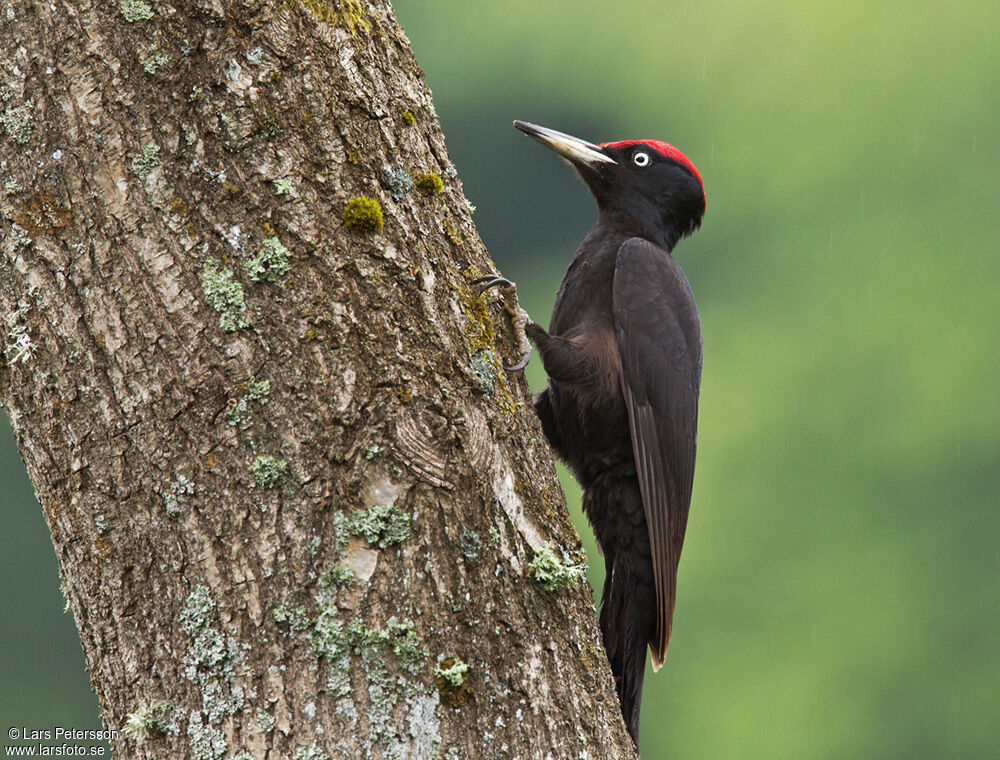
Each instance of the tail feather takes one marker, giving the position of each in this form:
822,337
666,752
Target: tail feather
628,624
628,605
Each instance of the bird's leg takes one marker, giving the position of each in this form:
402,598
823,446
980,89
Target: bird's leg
518,316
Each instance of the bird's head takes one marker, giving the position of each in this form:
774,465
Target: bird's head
646,186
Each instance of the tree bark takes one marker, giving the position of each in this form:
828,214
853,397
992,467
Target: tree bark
299,509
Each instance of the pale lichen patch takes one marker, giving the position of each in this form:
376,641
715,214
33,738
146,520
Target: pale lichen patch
268,471
383,525
399,181
19,123
470,543
269,263
450,678
206,743
143,163
483,366
238,408
424,726
552,572
265,720
136,10
138,725
297,617
212,661
312,752
225,295
452,670
19,348
156,719
173,499
338,577
154,62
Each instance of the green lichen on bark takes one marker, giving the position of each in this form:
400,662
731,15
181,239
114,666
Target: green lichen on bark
297,617
135,10
255,390
19,123
238,409
265,720
406,644
382,525
154,63
334,641
470,543
144,163
452,670
338,577
149,721
552,573
175,495
450,678
268,471
400,182
359,656
212,661
328,635
206,743
269,263
483,365
225,295
312,752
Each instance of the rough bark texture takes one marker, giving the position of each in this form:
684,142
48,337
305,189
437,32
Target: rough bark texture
290,488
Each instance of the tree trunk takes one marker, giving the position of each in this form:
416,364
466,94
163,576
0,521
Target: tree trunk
300,511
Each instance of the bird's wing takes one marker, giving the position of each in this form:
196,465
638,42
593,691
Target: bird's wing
659,341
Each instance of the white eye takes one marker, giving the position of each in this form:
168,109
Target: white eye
640,159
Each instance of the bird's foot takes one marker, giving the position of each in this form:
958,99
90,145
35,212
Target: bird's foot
491,281
518,316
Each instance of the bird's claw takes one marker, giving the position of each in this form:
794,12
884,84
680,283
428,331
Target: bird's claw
521,364
491,281
518,316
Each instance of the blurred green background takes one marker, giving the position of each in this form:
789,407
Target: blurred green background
839,593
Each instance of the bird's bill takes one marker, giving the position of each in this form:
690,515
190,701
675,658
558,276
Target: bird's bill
580,152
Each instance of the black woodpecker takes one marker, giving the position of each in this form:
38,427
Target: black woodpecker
623,357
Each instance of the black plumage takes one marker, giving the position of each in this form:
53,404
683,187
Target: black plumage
623,357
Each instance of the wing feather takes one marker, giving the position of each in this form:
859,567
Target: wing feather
659,342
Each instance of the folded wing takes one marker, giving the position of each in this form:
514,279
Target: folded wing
659,341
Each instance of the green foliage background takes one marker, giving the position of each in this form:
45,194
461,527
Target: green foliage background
840,586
